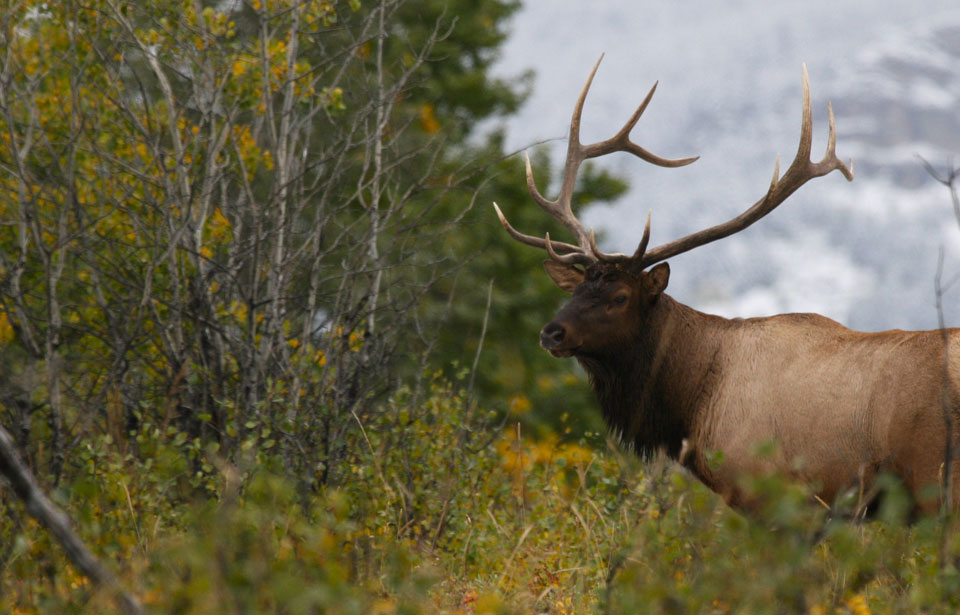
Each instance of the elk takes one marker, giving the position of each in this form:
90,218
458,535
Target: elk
841,406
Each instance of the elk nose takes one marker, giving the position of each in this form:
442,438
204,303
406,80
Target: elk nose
552,335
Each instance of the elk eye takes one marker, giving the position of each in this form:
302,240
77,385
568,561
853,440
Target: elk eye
619,299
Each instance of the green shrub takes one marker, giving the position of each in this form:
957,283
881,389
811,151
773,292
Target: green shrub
446,512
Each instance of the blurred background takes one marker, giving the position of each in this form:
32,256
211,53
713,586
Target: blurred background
864,253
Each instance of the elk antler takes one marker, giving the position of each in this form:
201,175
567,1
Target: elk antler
801,170
560,208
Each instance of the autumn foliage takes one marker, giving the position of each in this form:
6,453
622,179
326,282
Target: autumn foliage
240,277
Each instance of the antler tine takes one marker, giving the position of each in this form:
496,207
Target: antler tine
530,240
607,258
620,258
541,200
561,208
806,122
831,155
621,142
644,240
628,127
830,161
573,258
574,139
800,171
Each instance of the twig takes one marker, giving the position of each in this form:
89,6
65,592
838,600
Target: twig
513,554
133,517
376,462
497,525
949,180
483,334
466,548
523,485
590,536
946,505
40,507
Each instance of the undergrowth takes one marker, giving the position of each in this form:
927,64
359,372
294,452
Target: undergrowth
447,512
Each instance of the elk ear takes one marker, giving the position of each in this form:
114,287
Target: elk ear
655,282
567,277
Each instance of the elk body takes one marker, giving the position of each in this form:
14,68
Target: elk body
841,406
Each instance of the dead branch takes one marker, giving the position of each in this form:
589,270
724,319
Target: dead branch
57,522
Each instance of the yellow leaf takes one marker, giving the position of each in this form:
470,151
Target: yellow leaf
519,404
384,606
428,121
355,342
858,605
6,329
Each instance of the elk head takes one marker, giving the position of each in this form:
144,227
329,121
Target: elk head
608,309
613,293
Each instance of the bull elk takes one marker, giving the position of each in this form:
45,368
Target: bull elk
842,406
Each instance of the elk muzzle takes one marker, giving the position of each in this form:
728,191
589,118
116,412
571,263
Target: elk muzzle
555,339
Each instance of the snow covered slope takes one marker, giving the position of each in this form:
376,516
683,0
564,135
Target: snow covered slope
864,253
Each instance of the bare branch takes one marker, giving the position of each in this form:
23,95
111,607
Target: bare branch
40,507
949,180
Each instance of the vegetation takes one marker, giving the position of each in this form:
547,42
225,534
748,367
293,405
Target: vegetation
459,519
260,345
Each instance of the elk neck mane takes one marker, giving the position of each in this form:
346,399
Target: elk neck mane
650,387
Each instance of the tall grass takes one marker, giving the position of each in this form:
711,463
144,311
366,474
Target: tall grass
447,512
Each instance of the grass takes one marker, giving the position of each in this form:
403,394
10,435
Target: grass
443,515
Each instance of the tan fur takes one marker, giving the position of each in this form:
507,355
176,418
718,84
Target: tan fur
840,405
